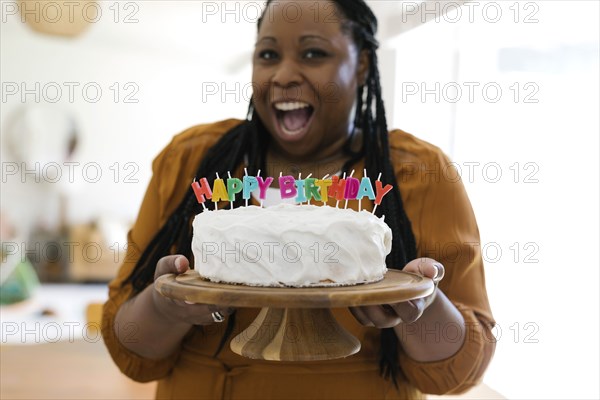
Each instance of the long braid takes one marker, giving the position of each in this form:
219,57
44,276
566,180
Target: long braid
175,236
363,25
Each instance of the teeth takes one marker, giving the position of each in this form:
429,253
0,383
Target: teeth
290,106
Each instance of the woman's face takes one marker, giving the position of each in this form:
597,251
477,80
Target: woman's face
305,75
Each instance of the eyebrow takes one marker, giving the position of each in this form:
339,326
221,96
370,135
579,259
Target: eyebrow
302,39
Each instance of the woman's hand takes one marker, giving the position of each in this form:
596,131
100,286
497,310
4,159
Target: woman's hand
390,315
179,311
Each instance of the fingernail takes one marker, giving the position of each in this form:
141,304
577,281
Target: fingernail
188,302
178,264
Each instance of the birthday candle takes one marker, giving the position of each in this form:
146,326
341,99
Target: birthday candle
381,191
244,194
217,191
349,182
234,186
300,197
228,194
263,186
360,200
323,184
199,192
311,189
340,191
287,189
260,194
365,189
202,190
376,204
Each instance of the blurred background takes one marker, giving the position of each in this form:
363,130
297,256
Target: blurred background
92,91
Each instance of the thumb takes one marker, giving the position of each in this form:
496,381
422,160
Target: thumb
176,264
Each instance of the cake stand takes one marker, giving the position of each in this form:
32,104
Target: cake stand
295,324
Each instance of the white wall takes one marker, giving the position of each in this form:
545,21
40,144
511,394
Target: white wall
168,57
542,211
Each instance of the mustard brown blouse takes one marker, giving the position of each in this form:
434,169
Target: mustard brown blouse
445,229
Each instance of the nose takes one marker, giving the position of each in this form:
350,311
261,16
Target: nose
287,73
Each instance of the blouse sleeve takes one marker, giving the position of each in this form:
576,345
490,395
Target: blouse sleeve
172,172
445,229
147,224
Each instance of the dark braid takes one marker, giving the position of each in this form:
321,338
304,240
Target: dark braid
246,139
251,139
362,24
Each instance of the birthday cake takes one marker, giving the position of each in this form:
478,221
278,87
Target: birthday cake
290,245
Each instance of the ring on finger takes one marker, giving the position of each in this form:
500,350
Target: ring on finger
439,272
217,316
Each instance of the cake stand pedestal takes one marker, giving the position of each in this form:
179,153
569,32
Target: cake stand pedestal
295,324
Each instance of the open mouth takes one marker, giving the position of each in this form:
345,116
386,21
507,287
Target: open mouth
293,118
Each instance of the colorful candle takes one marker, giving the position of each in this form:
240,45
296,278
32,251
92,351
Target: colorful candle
336,189
287,189
202,190
323,185
219,191
263,185
346,192
311,189
234,186
365,189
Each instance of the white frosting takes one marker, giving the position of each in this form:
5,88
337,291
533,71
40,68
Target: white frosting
290,245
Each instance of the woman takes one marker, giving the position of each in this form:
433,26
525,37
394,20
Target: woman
317,108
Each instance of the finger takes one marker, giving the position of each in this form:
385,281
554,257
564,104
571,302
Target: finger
380,317
176,264
427,267
409,311
360,316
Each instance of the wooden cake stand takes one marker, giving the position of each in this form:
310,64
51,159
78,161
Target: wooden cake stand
295,324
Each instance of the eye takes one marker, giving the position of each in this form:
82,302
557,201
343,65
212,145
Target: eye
267,55
315,53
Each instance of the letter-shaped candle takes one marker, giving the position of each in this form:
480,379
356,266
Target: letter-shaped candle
234,186
323,185
300,197
365,189
337,187
351,190
287,187
263,186
219,191
250,184
202,190
311,190
381,191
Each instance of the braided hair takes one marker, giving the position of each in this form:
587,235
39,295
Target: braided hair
247,143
